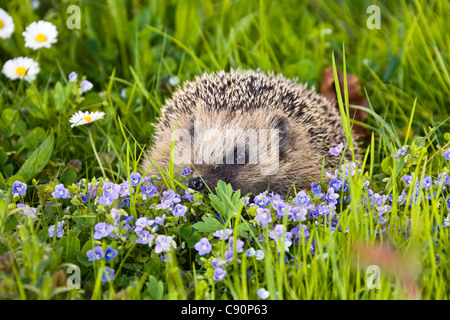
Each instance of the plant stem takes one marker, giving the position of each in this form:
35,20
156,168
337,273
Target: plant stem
95,150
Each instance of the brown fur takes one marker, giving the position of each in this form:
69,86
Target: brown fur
253,100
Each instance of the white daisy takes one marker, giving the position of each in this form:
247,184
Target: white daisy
41,34
81,118
6,25
21,67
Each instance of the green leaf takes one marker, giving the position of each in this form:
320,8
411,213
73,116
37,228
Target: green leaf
38,159
155,288
186,231
209,224
387,165
68,177
85,221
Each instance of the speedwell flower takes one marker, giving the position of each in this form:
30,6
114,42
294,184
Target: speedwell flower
6,25
21,68
19,188
163,243
41,34
335,151
85,86
102,230
86,117
446,154
203,246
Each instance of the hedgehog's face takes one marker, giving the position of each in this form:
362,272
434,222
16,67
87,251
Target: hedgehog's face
243,150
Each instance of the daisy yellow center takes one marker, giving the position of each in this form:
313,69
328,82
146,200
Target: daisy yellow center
87,118
2,24
21,71
41,37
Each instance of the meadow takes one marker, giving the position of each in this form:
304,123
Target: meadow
78,220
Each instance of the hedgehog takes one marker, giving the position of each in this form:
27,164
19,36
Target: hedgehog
257,131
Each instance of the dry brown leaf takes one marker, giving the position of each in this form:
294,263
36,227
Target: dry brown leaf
328,90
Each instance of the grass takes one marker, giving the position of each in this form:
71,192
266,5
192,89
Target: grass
130,50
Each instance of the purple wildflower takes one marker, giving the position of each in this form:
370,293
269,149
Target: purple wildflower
149,190
111,190
19,188
446,154
331,197
59,231
263,216
95,254
185,172
219,273
223,235
163,243
110,253
335,151
179,210
108,274
203,246
102,230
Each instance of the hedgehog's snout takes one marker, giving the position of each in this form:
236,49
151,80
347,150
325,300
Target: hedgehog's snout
196,183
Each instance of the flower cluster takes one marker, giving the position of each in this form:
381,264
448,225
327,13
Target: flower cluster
37,35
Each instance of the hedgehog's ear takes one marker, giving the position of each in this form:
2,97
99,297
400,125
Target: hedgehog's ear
284,128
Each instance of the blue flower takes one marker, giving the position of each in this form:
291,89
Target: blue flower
160,220
59,232
185,172
446,154
19,188
30,212
408,179
73,76
111,190
331,197
298,213
203,246
171,197
149,190
219,273
239,245
427,182
316,188
179,210
259,254
144,237
110,253
263,216
402,151
102,230
261,200
86,86
95,254
163,243
336,184
335,151
263,294
105,201
302,199
60,192
135,178
143,223
223,235
108,274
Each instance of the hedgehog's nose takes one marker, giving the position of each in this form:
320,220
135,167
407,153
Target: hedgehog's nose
196,184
